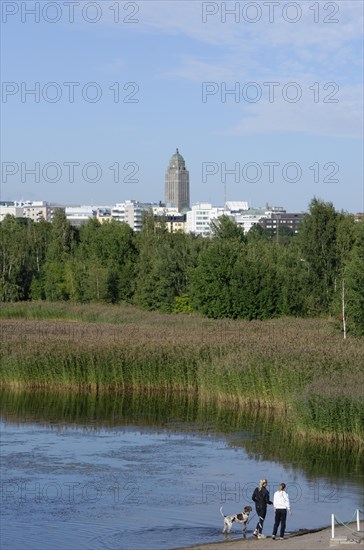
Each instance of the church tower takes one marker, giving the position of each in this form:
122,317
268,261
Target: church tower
177,184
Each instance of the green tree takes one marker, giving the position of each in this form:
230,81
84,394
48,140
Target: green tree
39,235
162,266
62,244
62,238
16,260
257,233
214,283
355,280
119,254
262,283
345,242
317,238
182,304
236,277
109,247
226,228
292,279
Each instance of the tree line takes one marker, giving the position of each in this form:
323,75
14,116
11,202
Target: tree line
320,271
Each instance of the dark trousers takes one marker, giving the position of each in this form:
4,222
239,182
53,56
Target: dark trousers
280,518
261,513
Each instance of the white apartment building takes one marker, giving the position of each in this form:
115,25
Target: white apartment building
202,214
40,210
33,210
254,216
235,207
79,215
250,218
11,210
199,218
131,212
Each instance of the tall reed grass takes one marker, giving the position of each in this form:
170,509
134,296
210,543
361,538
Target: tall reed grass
299,368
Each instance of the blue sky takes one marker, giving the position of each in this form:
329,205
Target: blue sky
298,101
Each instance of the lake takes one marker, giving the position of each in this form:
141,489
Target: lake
137,471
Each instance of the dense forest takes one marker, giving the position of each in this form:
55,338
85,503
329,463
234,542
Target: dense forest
318,272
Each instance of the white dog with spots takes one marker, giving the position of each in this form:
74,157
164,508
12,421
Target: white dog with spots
236,518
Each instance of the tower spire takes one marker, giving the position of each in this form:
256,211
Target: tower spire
177,184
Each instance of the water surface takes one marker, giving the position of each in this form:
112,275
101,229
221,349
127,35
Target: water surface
133,472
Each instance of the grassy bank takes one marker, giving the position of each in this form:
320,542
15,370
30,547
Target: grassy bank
301,368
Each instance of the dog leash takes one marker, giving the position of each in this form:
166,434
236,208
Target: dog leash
250,518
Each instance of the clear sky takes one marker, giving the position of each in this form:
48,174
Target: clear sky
122,84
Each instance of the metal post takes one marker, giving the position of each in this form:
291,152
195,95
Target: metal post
332,526
357,520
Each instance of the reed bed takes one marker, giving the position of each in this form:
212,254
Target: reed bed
301,369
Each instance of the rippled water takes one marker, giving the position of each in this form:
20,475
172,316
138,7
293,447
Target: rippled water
123,486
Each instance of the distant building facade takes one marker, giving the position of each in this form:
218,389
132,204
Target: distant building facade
41,210
10,209
33,210
177,184
248,219
131,212
103,214
173,220
199,218
79,215
274,221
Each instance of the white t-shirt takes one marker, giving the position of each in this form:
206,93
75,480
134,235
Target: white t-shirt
281,500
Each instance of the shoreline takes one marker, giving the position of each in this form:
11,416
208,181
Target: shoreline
305,539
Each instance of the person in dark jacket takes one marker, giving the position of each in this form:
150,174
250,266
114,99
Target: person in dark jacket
261,499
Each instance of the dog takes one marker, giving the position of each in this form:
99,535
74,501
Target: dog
239,518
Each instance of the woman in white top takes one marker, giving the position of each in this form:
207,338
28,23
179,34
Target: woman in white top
281,505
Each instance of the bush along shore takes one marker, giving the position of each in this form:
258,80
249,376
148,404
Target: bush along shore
299,369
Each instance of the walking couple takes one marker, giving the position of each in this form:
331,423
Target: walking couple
281,506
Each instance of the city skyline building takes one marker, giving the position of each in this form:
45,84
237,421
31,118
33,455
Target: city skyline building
177,184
